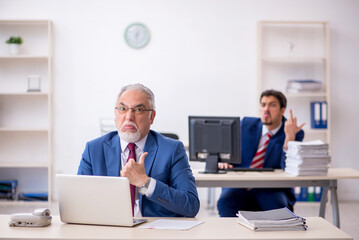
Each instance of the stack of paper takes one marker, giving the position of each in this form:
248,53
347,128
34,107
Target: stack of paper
273,220
307,158
305,85
171,224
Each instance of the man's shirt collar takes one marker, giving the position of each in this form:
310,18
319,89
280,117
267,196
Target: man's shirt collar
272,132
140,144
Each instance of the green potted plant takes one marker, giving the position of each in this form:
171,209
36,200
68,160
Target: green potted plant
14,43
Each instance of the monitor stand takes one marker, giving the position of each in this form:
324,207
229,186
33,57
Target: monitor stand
212,165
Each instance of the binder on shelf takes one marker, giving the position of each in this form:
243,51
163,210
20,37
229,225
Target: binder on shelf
6,196
317,193
8,189
315,114
310,194
303,194
324,115
297,193
33,196
319,114
8,184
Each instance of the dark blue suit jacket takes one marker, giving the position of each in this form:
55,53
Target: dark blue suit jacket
175,193
251,131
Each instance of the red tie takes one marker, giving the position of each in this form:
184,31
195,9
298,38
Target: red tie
132,154
258,159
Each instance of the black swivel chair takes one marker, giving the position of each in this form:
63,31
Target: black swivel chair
171,135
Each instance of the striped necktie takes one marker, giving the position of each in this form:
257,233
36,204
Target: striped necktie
258,158
132,154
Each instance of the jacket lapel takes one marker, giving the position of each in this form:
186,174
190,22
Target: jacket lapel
274,140
151,147
112,152
257,133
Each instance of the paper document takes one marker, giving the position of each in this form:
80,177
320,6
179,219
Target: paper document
171,224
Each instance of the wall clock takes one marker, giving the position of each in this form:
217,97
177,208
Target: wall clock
137,35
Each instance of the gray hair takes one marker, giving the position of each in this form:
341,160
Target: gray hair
143,88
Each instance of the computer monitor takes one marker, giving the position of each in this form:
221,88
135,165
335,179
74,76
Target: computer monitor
213,140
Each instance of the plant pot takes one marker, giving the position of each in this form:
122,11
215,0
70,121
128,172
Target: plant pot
14,48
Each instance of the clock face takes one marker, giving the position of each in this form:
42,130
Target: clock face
137,35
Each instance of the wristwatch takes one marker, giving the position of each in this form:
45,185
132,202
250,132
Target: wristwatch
144,187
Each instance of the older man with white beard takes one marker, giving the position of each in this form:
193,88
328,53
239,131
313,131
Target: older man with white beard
162,183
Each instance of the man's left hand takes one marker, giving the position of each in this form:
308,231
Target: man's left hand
135,172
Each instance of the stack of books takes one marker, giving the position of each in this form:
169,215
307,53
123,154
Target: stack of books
281,219
8,189
305,85
307,158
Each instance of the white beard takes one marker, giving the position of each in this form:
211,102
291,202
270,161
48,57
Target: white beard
130,137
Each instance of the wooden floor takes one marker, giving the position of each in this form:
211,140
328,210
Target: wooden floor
349,212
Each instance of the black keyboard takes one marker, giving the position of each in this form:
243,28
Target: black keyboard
242,169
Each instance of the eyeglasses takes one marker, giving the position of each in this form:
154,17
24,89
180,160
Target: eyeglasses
135,110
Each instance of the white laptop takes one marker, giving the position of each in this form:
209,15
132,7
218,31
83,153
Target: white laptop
95,200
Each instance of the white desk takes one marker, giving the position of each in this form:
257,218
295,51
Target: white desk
279,179
212,228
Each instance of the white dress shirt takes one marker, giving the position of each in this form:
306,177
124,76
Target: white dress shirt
271,132
140,145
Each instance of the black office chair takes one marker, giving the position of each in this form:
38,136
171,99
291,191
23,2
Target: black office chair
170,135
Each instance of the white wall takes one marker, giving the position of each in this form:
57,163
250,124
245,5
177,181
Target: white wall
201,60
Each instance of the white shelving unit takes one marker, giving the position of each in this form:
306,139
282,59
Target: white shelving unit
26,117
296,50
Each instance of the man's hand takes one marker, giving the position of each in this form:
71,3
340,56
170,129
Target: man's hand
290,129
135,172
224,165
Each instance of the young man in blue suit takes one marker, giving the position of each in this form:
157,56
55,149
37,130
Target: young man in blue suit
165,186
253,132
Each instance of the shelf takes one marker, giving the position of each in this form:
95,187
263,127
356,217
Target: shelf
17,202
23,165
296,50
24,57
24,22
24,94
26,117
24,129
311,134
36,35
307,203
305,94
313,130
289,60
305,23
